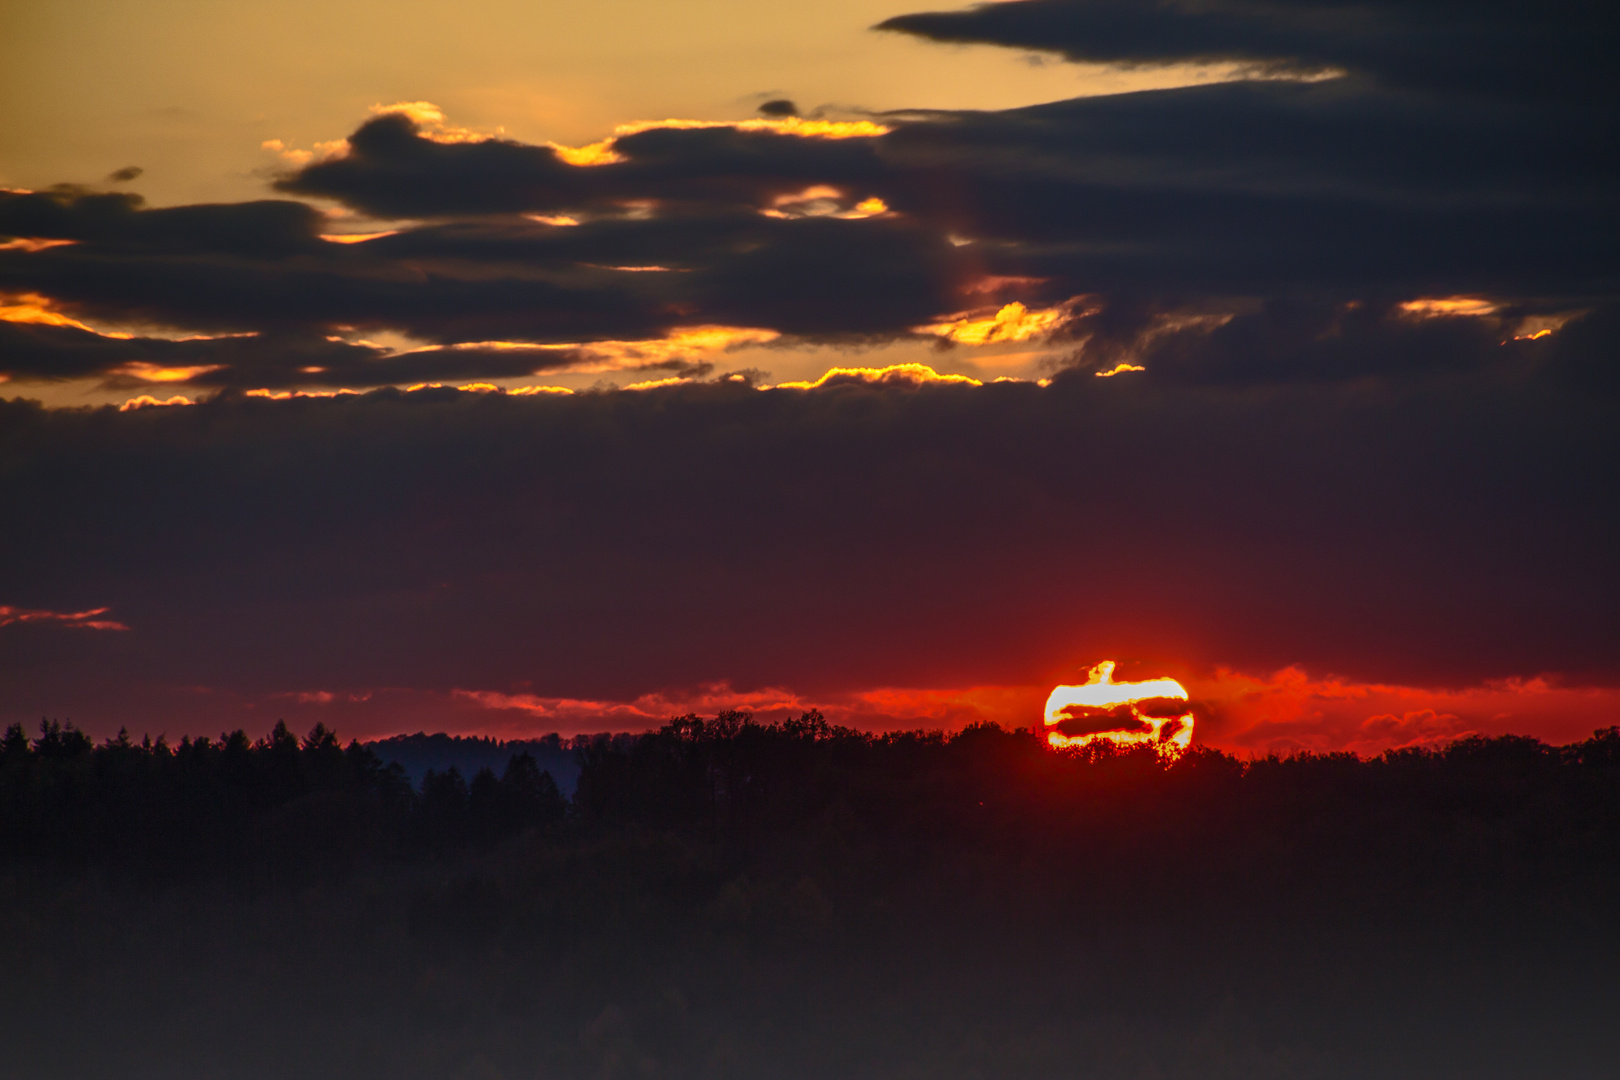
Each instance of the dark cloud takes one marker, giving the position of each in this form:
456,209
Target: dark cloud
270,361
603,545
262,267
1526,48
779,107
391,171
394,169
125,175
119,223
1585,355
1254,188
1079,720
1294,340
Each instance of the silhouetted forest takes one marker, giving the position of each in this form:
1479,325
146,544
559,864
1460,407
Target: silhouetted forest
467,754
272,806
724,898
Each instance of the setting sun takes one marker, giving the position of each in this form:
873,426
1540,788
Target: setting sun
1152,712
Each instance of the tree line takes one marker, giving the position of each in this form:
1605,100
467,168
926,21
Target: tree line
281,801
276,802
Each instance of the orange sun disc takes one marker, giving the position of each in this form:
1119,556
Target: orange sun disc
1154,712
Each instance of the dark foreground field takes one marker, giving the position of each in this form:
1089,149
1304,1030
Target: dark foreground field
728,900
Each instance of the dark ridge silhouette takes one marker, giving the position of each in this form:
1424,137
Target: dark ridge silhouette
419,753
723,898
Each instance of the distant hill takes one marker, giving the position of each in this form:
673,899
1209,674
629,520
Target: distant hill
418,753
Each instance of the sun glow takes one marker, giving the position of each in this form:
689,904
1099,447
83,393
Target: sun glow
1149,713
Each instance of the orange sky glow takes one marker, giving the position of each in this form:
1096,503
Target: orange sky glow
1287,711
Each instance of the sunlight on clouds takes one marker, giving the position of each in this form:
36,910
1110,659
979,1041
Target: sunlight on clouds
889,707
423,113
913,373
39,310
822,200
1013,322
790,125
324,150
816,193
139,369
604,357
1429,308
431,123
588,156
1118,369
357,238
683,340
147,401
1289,710
287,395
34,243
602,152
1536,327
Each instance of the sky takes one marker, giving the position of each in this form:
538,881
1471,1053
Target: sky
514,368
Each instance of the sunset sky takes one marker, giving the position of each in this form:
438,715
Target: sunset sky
515,367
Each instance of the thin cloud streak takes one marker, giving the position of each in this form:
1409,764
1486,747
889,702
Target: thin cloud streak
78,620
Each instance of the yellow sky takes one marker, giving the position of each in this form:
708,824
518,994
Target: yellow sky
189,89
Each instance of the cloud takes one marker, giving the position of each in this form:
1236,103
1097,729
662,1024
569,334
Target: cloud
894,374
83,620
146,401
1514,47
512,280
1290,710
394,167
868,533
1171,215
